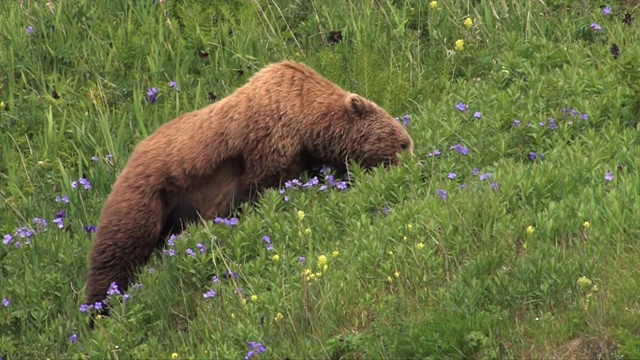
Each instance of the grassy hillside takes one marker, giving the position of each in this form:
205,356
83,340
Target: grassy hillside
516,238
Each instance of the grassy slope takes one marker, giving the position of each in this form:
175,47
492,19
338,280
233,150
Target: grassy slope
458,277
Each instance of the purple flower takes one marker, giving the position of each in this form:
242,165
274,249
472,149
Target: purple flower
7,239
485,176
442,193
136,286
113,289
532,155
29,29
233,221
574,112
201,248
341,185
84,308
608,176
98,305
94,159
461,106
109,157
215,279
209,294
460,149
255,348
552,124
286,199
5,302
228,274
89,229
191,252
595,26
169,252
475,171
541,123
301,259
516,122
494,185
322,188
606,10
477,114
150,270
173,85
85,183
386,210
58,221
74,184
583,116
451,176
462,186
311,183
405,120
126,297
152,94
64,199
40,223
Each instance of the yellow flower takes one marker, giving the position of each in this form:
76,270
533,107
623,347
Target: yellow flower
396,274
244,301
307,231
318,274
174,355
324,268
335,254
390,253
420,246
276,257
278,317
586,225
409,226
433,4
300,215
98,317
389,279
404,238
459,45
322,260
468,22
584,283
307,271
530,229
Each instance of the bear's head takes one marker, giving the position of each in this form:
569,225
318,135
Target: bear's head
367,134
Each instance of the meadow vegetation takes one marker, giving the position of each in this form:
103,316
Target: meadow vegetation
513,233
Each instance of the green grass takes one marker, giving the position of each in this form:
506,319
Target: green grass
459,277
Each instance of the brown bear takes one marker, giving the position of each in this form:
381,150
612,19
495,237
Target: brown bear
284,121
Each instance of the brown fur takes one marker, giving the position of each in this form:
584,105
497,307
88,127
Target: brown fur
286,119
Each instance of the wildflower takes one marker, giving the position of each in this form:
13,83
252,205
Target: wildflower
191,252
451,176
608,176
606,10
109,157
462,186
276,258
215,279
98,305
170,252
150,270
541,123
85,183
552,124
201,248
254,298
483,177
335,254
442,193
477,114
29,29
173,85
405,120
74,184
595,26
386,210
461,106
40,223
301,259
530,229
420,246
209,294
583,116
113,289
389,279
94,159
532,155
468,22
322,260
73,338
84,308
89,229
584,283
341,185
233,221
174,356
255,349
300,215
494,185
58,221
529,124
151,95
459,45
475,171
396,274
5,302
7,239
278,317
64,199
516,122
460,149
433,4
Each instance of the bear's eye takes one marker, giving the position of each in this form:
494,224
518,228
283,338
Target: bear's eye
404,146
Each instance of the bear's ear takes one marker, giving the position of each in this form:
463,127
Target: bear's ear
357,105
